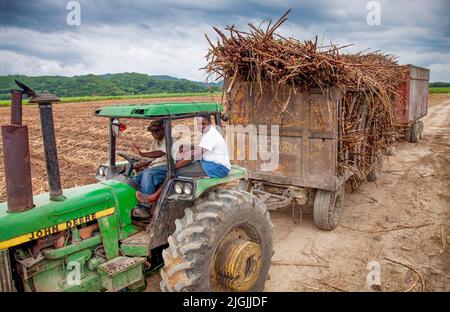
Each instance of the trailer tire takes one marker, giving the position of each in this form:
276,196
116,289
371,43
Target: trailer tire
416,131
390,150
420,129
328,207
376,171
228,232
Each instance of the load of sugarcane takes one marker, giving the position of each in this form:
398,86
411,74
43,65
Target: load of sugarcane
368,80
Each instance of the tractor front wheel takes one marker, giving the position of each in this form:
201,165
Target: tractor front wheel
223,243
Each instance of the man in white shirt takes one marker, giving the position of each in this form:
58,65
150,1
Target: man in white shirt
210,157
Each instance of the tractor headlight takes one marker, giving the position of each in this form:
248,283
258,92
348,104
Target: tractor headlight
183,188
187,189
178,188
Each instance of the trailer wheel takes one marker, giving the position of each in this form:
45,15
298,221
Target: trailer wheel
328,208
223,243
390,150
416,131
376,171
420,129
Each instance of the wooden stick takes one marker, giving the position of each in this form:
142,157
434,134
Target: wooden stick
422,283
310,287
334,287
443,240
367,196
300,264
388,230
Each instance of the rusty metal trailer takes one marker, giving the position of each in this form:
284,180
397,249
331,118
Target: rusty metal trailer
412,102
308,148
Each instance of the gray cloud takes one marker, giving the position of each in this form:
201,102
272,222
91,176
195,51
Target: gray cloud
167,37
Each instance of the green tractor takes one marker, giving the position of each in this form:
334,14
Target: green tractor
203,238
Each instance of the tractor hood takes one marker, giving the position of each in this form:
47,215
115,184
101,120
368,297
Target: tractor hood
82,204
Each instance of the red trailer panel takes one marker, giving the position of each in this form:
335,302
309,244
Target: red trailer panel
412,103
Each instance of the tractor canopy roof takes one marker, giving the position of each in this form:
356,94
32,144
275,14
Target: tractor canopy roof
159,110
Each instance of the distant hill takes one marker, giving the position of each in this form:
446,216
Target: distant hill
104,85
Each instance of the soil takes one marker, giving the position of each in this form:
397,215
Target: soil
403,217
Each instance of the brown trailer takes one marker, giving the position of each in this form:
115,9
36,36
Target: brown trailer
308,148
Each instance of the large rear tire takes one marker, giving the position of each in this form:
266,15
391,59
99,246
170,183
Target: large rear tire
223,243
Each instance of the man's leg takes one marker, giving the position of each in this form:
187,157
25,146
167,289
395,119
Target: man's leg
150,181
138,178
151,178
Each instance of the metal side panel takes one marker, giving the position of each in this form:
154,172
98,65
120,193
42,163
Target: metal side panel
6,281
418,92
412,100
308,133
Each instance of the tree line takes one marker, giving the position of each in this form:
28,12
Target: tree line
105,85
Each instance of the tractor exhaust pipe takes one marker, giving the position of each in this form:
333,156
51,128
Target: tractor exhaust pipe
16,157
16,107
48,135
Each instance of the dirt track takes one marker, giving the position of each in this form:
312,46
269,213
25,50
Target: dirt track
413,192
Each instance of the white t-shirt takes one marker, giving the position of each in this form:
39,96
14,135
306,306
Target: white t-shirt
215,146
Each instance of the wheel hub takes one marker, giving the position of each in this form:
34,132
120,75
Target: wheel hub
238,264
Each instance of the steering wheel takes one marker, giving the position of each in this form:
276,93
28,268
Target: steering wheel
132,159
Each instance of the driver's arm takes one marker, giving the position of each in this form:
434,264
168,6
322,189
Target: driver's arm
152,154
196,153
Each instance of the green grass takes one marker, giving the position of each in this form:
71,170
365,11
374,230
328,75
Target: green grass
120,97
435,90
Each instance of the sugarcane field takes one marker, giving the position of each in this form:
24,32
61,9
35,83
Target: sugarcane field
307,150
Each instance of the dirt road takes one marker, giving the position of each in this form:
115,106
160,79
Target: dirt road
413,194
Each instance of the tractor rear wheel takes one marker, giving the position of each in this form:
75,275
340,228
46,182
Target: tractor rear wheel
328,207
223,243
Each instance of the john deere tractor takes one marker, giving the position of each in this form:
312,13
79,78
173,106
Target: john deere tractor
203,236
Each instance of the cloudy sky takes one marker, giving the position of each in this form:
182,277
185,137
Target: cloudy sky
166,37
